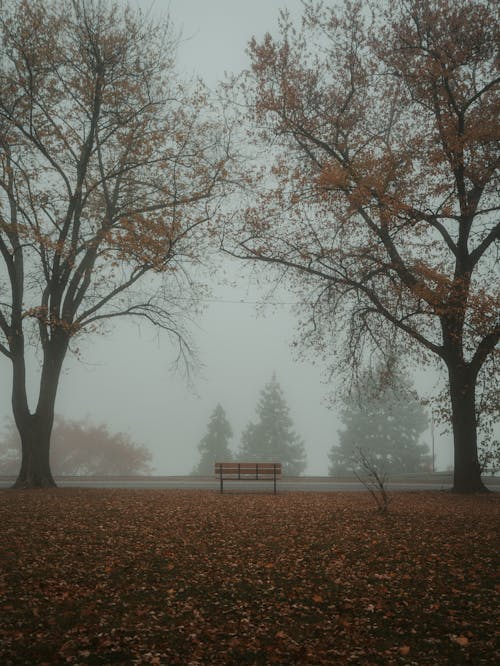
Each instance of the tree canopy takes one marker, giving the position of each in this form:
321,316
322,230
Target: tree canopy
214,446
272,438
80,448
110,169
379,191
384,419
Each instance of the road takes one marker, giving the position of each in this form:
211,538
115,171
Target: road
439,481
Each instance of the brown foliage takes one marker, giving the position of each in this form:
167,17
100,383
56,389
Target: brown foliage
175,577
109,165
81,448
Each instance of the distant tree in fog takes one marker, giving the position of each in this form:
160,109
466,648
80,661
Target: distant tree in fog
272,438
215,444
80,448
384,418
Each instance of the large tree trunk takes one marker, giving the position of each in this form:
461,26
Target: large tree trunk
467,470
35,433
35,429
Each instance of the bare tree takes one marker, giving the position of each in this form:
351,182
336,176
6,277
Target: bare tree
374,480
110,170
379,195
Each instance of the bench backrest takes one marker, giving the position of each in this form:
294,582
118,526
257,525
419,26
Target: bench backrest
248,470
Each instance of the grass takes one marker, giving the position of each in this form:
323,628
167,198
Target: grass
194,577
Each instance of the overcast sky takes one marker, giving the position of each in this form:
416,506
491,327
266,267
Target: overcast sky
124,379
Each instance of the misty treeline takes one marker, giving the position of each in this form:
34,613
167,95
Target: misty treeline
80,448
271,438
385,420
355,160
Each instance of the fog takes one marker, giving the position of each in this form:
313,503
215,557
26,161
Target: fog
124,379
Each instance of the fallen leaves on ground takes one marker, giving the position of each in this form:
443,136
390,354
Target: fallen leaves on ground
196,578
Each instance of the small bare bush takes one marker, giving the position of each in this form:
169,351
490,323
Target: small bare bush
373,480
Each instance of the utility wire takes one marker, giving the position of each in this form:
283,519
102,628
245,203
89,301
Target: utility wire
241,301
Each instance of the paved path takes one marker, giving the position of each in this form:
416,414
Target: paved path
305,484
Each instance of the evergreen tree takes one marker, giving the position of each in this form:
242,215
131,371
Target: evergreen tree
385,420
273,439
214,445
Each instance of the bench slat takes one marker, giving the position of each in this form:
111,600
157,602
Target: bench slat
248,472
248,467
250,477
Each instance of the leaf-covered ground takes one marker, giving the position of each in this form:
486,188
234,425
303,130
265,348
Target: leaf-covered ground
195,578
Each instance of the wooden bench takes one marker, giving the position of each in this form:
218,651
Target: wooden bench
247,471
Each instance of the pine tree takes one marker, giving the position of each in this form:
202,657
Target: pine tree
215,444
272,438
386,421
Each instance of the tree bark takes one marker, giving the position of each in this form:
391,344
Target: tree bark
35,433
35,429
467,470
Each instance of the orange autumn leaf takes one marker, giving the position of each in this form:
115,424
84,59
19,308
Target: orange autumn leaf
463,641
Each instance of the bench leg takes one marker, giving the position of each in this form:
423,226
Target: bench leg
221,484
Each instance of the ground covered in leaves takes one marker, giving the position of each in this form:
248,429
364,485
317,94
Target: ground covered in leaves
195,578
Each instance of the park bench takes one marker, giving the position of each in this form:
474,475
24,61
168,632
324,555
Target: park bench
247,471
